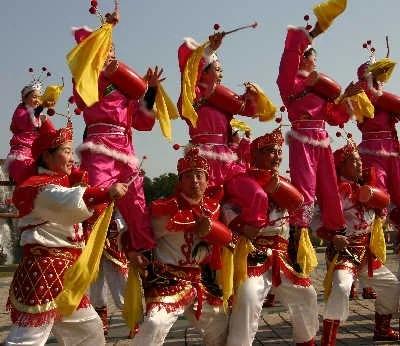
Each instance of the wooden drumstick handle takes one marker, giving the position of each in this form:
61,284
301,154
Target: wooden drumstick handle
253,25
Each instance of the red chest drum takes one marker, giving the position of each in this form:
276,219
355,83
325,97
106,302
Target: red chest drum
226,100
389,102
326,87
373,197
286,196
126,79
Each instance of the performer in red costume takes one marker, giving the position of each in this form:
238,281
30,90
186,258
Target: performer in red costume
351,253
269,265
187,231
52,204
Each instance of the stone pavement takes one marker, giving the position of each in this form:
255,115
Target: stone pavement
274,329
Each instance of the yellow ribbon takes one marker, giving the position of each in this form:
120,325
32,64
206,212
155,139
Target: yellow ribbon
165,110
83,272
265,108
377,242
87,60
329,277
240,125
225,275
306,256
382,69
361,106
134,302
52,94
188,85
242,250
327,11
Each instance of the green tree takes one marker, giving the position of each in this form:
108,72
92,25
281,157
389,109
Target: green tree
162,186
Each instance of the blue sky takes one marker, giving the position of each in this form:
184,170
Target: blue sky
37,33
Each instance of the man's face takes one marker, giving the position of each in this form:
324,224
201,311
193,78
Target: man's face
194,183
268,158
352,167
60,161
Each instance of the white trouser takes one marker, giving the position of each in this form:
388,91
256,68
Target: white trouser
300,301
83,327
213,324
116,283
384,282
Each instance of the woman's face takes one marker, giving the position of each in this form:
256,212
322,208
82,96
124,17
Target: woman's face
60,161
32,99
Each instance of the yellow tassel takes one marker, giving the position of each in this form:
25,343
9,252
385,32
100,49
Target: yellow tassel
306,256
188,85
360,106
327,11
242,250
87,60
377,242
382,69
329,277
52,94
265,108
165,111
134,302
225,276
83,272
240,125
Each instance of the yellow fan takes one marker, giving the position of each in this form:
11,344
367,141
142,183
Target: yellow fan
52,94
382,69
327,11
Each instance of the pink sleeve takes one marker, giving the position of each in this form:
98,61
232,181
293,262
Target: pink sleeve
297,40
21,120
142,119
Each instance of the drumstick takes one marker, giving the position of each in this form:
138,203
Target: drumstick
387,46
254,25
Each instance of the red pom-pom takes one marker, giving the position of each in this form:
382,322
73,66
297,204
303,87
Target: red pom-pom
349,135
30,69
93,3
278,120
308,27
77,111
306,17
372,49
92,10
48,74
71,99
282,109
176,146
216,26
341,126
338,134
365,45
369,42
44,69
144,157
51,112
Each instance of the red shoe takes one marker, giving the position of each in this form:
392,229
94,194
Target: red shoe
102,312
269,300
307,343
329,332
382,330
368,293
133,332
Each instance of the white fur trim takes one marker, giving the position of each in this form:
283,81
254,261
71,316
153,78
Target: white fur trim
14,157
381,153
292,27
75,28
191,43
212,155
103,150
324,143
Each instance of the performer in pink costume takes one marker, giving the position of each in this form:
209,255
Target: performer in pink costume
107,152
269,265
379,147
310,157
358,259
213,132
25,124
